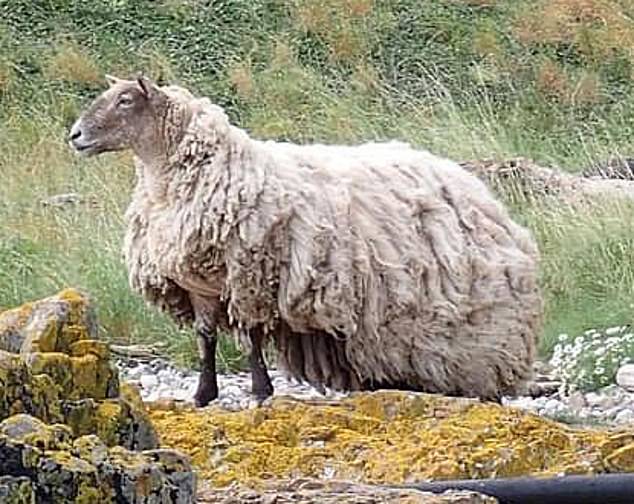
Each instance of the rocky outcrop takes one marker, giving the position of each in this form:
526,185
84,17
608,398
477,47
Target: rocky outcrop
69,431
386,437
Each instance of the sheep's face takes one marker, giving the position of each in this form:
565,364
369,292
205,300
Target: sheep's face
126,115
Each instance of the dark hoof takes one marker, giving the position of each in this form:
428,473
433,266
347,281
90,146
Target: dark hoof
261,394
207,391
259,401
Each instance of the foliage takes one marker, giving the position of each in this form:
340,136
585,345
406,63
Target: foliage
590,361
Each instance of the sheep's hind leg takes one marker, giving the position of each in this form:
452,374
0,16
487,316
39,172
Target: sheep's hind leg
261,386
207,389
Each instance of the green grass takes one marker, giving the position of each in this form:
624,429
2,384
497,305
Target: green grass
465,79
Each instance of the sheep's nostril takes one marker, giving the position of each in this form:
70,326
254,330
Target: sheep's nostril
74,135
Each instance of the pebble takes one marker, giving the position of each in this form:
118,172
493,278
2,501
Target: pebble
160,380
149,381
624,416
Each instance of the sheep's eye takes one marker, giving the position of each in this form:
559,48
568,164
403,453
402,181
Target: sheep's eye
124,101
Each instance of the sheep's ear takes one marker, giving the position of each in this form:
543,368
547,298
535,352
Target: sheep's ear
148,88
112,80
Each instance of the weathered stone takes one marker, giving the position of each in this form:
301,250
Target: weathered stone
30,430
163,475
309,491
625,377
48,325
90,448
67,427
385,437
21,392
16,490
117,421
84,470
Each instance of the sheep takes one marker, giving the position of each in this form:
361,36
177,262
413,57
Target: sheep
368,266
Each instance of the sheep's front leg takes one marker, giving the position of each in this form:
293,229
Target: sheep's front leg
207,312
261,386
207,389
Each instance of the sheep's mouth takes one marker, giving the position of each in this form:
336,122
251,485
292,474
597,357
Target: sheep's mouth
87,149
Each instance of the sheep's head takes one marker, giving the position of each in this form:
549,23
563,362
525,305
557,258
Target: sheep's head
127,115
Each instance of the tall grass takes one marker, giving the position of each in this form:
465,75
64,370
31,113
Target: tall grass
465,79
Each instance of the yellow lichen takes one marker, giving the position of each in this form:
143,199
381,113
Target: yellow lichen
91,377
89,495
76,298
386,437
56,365
84,347
132,396
69,335
107,420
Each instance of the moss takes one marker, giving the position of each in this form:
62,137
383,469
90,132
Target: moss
56,365
91,448
32,431
45,398
88,494
70,335
79,416
16,490
386,437
74,382
91,377
77,299
107,422
85,347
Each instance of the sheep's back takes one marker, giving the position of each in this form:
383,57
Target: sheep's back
401,252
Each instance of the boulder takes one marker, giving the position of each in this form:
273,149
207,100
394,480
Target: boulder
625,377
69,431
16,490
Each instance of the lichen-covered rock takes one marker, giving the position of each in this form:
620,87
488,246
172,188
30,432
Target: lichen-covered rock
309,491
21,392
68,431
61,372
52,324
30,430
122,421
85,470
386,437
16,490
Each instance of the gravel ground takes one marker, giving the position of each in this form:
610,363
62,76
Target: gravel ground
159,379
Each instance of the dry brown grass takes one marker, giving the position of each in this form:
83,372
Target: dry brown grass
552,81
241,78
587,89
596,28
69,62
7,76
338,23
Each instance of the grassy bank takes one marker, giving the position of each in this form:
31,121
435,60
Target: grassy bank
548,80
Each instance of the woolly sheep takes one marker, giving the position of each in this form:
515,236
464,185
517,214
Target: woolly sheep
368,266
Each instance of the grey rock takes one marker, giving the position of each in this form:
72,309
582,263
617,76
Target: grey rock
625,377
16,490
149,381
576,401
624,416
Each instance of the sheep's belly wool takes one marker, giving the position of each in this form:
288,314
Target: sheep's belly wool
370,266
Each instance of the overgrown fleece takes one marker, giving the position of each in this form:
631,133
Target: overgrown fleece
546,79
